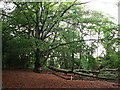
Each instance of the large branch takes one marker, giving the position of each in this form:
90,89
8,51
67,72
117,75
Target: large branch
63,15
68,8
62,44
43,23
71,6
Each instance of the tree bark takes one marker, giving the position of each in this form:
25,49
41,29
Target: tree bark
37,64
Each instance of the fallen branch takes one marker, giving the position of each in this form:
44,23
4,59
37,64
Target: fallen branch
59,70
88,71
80,73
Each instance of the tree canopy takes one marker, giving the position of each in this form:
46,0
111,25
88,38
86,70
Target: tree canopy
60,34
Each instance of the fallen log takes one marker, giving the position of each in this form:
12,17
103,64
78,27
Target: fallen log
60,70
94,76
87,71
82,73
109,70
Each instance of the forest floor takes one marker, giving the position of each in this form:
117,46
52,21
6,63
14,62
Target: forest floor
28,79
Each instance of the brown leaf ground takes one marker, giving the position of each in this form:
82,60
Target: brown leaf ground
29,79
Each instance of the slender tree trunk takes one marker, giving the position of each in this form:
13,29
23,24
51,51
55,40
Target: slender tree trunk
118,76
65,60
72,62
80,65
66,66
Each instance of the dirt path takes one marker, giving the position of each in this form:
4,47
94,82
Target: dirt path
29,79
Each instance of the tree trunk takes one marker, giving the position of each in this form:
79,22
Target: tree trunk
72,62
80,61
37,64
118,76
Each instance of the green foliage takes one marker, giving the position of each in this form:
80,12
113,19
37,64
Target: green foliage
47,31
